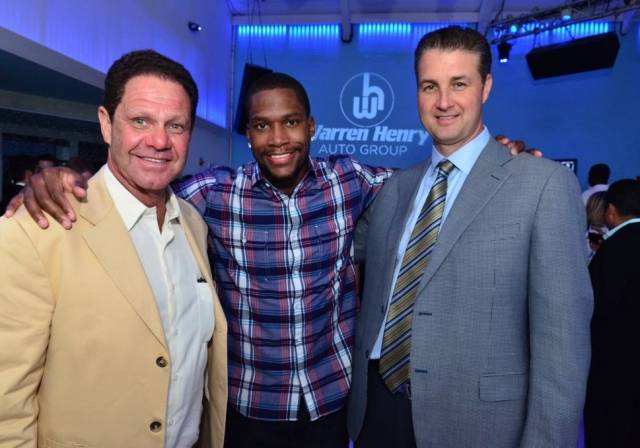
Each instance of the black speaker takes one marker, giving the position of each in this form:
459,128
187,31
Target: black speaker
575,56
249,76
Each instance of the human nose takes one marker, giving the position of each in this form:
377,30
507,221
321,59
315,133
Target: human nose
444,99
158,138
279,135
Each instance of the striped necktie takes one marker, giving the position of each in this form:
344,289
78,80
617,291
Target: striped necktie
396,341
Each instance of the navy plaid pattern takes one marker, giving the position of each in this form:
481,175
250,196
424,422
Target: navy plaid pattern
286,279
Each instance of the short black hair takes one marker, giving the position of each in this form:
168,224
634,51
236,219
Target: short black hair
624,195
456,38
599,174
146,62
277,80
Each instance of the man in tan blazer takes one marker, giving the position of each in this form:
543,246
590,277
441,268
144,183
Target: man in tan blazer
111,334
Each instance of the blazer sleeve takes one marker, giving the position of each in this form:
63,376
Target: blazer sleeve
26,308
560,308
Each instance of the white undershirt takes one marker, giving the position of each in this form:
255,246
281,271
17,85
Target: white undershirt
184,303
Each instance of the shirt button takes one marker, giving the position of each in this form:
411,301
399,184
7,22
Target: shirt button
161,361
155,426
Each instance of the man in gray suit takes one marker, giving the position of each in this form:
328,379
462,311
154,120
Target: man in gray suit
474,327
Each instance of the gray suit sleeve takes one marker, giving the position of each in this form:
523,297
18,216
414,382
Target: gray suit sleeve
360,236
560,308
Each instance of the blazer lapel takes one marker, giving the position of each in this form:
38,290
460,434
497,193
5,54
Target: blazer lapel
408,188
110,242
484,180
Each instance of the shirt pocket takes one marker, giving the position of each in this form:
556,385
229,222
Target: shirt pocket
330,242
205,311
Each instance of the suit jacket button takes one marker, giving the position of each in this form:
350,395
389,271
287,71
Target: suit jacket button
155,426
161,361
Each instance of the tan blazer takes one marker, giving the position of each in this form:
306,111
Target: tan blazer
80,334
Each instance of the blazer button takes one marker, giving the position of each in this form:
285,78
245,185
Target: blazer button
155,426
161,361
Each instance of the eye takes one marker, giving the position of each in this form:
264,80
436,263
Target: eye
260,125
292,122
428,88
139,122
177,128
459,85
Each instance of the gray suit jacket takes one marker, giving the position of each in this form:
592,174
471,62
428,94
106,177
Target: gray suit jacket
500,338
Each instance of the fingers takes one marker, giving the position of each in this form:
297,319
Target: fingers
14,204
33,208
535,152
45,192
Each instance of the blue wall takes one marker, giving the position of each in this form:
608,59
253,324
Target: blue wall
590,117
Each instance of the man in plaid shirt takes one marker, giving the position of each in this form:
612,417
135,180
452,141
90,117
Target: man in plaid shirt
280,238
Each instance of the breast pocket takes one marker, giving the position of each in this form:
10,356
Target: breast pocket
330,242
205,311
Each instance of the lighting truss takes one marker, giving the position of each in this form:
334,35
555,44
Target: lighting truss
539,21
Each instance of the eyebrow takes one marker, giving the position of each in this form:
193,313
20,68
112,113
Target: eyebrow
283,117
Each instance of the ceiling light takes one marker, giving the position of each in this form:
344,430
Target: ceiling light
504,48
193,26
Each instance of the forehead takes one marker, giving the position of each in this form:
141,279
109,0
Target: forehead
154,90
280,100
449,63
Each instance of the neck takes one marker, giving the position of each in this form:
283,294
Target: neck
161,212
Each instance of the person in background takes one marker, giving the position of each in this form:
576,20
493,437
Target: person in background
45,161
598,179
612,409
596,224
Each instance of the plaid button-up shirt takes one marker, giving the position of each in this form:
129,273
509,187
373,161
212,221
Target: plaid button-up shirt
286,279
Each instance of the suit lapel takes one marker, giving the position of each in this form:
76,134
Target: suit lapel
484,180
408,189
112,246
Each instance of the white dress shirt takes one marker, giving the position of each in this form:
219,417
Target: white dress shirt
184,302
463,160
586,194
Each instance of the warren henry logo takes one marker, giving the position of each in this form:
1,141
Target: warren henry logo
366,99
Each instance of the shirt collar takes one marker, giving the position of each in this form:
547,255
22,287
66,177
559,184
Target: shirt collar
129,207
610,233
465,157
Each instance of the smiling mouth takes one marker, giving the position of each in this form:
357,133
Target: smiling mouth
281,156
153,160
